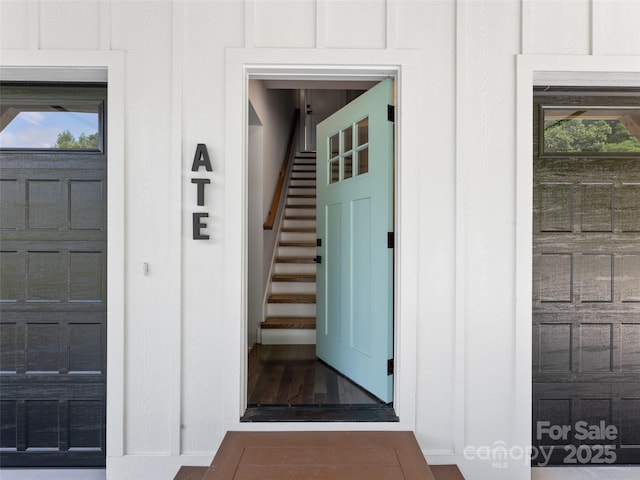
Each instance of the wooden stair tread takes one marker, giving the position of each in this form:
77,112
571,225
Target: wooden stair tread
191,473
446,472
292,298
313,206
295,260
289,322
300,217
293,277
299,230
302,195
293,243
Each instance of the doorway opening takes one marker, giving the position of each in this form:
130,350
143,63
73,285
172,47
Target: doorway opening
285,379
586,276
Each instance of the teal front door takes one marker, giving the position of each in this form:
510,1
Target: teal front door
355,241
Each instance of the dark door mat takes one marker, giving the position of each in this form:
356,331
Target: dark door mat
323,413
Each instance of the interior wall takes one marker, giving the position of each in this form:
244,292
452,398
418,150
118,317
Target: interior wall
319,104
255,267
275,108
174,99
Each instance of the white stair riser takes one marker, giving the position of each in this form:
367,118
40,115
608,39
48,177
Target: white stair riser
310,202
301,211
296,251
288,336
302,191
291,310
304,175
293,287
300,218
301,236
295,268
303,182
299,223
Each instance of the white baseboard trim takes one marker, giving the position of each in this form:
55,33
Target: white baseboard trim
440,457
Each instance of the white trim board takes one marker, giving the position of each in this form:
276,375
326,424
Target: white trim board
54,474
532,70
586,79
53,74
611,472
303,64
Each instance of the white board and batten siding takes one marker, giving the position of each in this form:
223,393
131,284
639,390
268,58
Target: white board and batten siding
168,358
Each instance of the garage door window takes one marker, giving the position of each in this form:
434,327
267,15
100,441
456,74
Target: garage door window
51,126
601,129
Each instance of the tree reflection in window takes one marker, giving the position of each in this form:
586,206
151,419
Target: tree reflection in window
75,127
591,130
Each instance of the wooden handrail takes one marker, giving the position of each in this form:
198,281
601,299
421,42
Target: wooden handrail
271,217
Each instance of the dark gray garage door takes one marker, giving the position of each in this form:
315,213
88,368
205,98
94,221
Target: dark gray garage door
586,278
53,248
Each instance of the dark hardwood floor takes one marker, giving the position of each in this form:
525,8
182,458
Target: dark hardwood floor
292,375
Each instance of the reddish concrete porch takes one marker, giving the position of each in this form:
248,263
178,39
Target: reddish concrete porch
321,456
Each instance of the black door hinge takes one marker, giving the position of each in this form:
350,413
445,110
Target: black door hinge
318,259
391,241
391,113
318,242
390,366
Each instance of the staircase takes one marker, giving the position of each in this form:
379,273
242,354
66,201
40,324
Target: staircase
291,303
